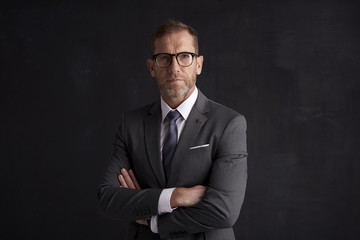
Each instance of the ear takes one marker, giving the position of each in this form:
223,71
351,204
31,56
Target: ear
151,65
199,64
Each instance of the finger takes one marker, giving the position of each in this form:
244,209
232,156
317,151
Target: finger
133,177
142,222
122,181
128,180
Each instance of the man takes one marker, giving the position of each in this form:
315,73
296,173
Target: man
179,167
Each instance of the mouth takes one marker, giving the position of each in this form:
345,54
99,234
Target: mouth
174,80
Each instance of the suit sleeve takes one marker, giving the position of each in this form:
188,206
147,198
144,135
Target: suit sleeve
221,205
123,203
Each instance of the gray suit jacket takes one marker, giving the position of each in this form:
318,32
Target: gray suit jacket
211,151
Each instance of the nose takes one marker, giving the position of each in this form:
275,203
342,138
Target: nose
174,65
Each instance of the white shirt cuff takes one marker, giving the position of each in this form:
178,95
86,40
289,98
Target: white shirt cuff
153,224
164,201
163,207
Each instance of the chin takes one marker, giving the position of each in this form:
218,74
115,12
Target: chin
175,93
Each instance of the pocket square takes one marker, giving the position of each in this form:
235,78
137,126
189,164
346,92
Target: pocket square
200,146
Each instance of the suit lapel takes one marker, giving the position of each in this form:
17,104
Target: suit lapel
152,140
192,127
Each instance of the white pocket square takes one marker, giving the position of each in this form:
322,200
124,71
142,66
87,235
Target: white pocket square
200,146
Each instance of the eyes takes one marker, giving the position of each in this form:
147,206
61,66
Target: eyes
179,56
184,59
184,56
163,57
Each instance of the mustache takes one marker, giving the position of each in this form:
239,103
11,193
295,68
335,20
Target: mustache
174,76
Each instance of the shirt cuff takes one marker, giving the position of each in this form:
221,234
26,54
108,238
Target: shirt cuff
164,201
153,224
163,207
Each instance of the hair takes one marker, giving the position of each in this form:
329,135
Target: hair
172,26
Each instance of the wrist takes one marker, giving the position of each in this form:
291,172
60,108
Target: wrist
176,198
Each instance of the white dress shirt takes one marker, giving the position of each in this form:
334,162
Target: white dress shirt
184,109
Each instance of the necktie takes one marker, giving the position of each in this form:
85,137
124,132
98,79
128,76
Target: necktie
170,142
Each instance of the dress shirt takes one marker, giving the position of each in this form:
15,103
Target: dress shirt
184,109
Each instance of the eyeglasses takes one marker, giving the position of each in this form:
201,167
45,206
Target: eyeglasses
184,59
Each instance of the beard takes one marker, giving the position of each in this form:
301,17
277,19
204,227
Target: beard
176,90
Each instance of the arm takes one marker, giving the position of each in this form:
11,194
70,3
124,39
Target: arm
181,197
128,180
221,205
124,203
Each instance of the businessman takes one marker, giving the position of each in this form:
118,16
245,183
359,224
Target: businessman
179,165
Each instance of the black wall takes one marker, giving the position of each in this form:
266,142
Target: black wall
68,70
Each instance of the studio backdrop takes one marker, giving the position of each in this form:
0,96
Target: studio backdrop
68,69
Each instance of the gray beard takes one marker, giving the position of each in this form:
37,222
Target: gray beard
172,94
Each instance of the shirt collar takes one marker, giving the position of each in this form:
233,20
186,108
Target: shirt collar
184,108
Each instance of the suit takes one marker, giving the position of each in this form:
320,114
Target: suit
211,151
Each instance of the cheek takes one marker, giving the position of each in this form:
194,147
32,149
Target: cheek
192,75
157,74
161,75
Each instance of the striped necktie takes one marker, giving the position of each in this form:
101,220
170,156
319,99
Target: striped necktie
170,142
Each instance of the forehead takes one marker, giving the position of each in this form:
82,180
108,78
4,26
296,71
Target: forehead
175,42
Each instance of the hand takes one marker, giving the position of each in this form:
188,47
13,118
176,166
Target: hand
128,180
187,197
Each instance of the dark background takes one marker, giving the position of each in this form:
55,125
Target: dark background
68,70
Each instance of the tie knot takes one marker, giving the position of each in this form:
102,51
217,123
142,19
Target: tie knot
173,116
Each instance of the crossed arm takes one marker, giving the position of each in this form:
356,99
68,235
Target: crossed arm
181,197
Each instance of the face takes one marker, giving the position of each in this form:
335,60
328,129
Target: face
175,81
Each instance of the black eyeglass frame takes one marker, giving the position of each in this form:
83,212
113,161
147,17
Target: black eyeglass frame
176,57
